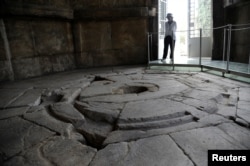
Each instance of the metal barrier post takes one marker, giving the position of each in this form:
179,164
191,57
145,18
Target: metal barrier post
148,48
248,63
151,43
224,44
229,45
200,46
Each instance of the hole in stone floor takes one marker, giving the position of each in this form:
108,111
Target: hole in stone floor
51,98
130,89
99,78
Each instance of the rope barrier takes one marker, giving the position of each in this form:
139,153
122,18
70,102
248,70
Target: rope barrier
239,29
216,28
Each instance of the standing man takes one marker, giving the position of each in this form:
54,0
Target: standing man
169,40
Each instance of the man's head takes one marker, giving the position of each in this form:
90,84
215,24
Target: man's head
170,17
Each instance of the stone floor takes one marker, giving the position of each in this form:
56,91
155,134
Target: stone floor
122,116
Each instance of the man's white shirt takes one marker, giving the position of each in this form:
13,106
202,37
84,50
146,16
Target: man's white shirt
170,29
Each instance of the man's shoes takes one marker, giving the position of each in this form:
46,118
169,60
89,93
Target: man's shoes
163,60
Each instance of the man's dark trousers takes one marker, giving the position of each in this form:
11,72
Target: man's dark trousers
168,41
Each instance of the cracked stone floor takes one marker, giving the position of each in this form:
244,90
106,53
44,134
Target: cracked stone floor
122,116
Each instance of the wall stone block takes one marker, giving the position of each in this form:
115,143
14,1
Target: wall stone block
129,33
26,67
105,43
20,38
4,71
96,36
108,3
2,49
39,47
52,8
52,37
111,13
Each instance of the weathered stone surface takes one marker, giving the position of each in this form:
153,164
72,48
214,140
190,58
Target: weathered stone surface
12,112
241,135
100,111
31,157
94,132
67,113
131,135
212,120
66,152
195,143
244,94
9,95
205,106
98,88
244,105
69,95
58,151
160,150
201,94
31,97
159,89
154,124
241,122
244,114
153,110
130,116
227,111
18,134
39,115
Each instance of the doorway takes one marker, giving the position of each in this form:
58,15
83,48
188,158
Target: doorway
190,16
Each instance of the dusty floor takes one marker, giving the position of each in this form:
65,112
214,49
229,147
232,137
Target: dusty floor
122,116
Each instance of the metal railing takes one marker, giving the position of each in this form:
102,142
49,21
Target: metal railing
226,47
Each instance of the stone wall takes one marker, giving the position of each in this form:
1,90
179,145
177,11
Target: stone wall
42,37
240,46
235,14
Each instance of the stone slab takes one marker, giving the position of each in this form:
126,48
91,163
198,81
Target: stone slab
227,111
108,112
244,94
39,115
12,112
151,110
65,152
58,151
244,114
160,150
131,135
94,132
31,97
69,95
67,112
18,134
240,134
196,143
9,95
244,105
